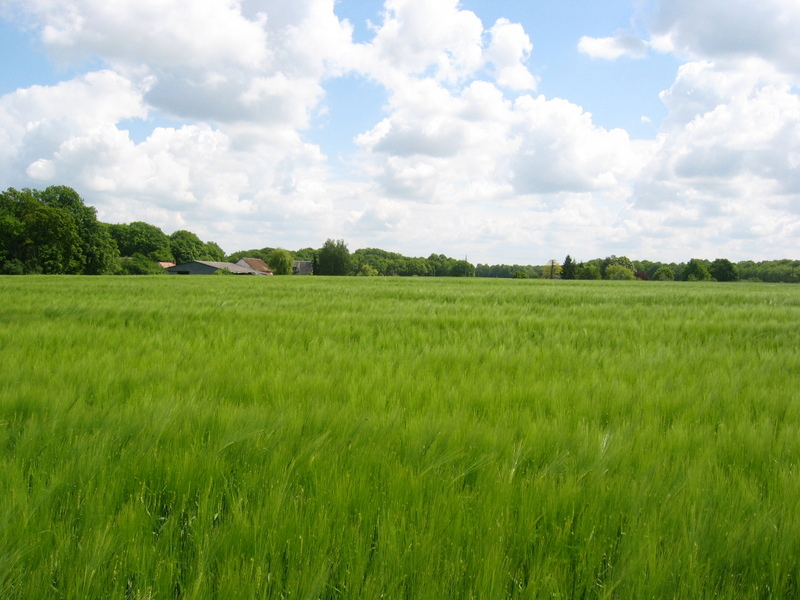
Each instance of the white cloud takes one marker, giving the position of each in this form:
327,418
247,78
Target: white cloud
508,52
611,48
418,35
459,161
724,166
732,29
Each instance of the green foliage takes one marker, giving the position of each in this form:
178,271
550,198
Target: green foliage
663,274
783,271
52,231
52,240
333,259
569,269
622,261
552,270
618,272
281,262
506,271
723,270
139,264
213,252
696,270
97,252
589,271
423,442
367,270
142,238
521,275
186,246
304,254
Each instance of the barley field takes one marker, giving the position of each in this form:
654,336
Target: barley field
325,438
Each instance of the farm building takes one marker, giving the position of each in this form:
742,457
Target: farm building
303,267
206,267
255,263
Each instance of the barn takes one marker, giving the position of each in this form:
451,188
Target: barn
207,267
255,263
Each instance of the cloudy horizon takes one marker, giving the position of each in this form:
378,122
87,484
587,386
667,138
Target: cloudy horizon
507,132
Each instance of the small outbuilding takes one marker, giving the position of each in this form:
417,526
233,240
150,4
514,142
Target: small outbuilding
303,267
207,267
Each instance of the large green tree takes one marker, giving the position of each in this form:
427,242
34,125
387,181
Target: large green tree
213,252
696,270
186,246
664,273
617,272
723,270
280,261
142,238
97,252
52,231
589,271
52,241
333,258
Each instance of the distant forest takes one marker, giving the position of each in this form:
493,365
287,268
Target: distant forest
53,231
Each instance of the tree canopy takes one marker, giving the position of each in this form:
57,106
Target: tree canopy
142,238
333,258
696,270
53,231
280,261
723,270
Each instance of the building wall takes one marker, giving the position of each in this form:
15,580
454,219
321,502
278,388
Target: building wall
193,268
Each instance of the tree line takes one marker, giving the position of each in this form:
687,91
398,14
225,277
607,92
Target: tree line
623,268
53,231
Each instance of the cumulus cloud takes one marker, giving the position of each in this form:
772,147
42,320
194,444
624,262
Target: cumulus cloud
478,146
465,155
611,48
216,60
417,36
732,29
724,165
508,52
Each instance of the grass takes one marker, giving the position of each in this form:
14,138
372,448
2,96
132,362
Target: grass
224,437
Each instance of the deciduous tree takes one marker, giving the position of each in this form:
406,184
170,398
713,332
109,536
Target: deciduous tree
664,274
696,270
723,270
280,261
186,246
333,258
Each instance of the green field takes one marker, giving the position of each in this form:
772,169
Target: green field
227,437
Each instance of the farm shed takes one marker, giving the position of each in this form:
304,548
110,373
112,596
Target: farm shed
255,263
206,267
303,267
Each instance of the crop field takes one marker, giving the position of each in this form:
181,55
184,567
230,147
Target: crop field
309,437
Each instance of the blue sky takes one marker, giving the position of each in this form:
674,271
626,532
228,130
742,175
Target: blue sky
510,131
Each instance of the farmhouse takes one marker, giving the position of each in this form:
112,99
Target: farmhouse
257,264
206,267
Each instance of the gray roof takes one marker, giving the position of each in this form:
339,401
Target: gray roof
303,267
255,263
227,266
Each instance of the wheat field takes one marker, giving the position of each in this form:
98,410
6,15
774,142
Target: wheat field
322,438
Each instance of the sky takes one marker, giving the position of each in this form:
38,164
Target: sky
504,131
